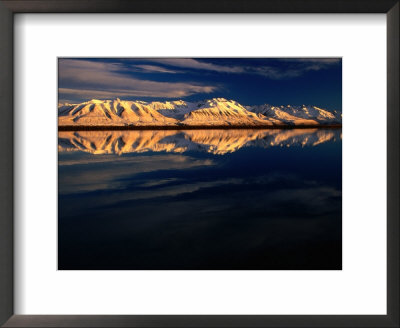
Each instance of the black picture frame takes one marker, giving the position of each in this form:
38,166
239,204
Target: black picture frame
10,7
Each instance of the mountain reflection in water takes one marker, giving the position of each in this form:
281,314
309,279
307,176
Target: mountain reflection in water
178,141
200,200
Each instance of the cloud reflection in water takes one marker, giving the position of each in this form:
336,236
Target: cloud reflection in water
211,199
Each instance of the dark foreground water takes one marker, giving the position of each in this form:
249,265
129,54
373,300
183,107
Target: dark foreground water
211,199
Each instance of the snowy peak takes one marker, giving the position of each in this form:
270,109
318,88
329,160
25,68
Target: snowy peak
219,111
112,113
210,112
304,114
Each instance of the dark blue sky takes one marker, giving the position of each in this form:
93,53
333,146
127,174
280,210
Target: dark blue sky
250,81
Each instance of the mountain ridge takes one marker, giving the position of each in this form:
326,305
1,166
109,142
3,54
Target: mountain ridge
209,112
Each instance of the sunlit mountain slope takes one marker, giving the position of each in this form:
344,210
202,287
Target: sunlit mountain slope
212,112
298,115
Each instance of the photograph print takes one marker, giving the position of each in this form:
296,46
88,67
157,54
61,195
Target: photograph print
199,163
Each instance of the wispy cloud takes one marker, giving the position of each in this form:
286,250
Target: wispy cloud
174,78
293,67
196,64
88,79
298,66
331,60
154,69
112,173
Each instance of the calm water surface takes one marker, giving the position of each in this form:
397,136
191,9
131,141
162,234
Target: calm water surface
200,199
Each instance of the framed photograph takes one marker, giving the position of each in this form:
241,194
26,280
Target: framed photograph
218,164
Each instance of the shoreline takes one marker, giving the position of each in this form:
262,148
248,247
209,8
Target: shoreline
193,127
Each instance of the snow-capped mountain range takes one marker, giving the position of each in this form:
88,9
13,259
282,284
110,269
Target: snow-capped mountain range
211,112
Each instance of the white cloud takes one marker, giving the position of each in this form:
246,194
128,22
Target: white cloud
154,69
85,79
106,80
196,64
294,66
